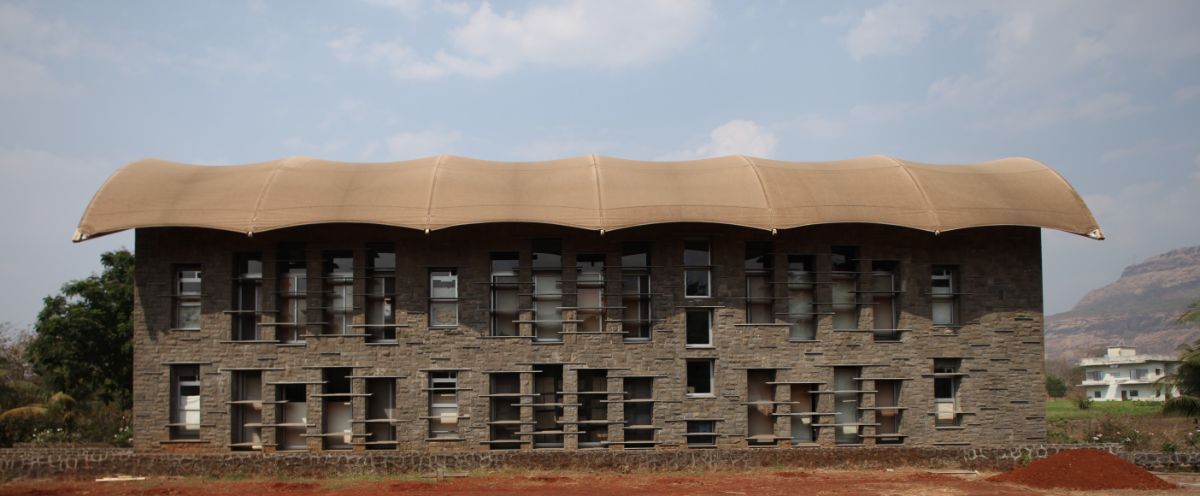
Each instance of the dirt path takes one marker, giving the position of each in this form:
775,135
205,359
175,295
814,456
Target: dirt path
754,483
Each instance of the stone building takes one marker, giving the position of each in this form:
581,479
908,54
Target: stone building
448,304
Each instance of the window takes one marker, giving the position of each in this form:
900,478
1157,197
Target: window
945,390
337,414
548,406
505,425
845,287
246,410
804,408
185,402
443,405
1133,393
247,296
339,291
701,433
292,322
944,293
187,297
589,286
699,377
1095,394
381,294
760,407
1139,374
381,413
847,400
801,313
592,393
291,416
505,294
887,411
1096,375
635,291
639,412
547,290
760,301
699,328
443,298
697,269
885,293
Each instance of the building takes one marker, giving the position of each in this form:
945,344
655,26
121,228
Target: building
1123,374
449,304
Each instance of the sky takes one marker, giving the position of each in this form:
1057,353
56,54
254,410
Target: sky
1106,92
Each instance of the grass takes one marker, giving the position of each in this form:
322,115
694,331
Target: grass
1066,410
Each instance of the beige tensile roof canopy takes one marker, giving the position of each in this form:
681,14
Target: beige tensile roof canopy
589,192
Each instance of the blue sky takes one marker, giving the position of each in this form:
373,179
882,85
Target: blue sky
1106,92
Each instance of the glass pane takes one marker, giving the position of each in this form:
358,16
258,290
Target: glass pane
943,312
758,255
547,253
443,284
699,327
696,252
443,313
382,260
635,255
699,377
189,315
696,282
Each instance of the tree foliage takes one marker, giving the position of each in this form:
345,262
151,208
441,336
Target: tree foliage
1186,379
83,343
1055,387
1192,315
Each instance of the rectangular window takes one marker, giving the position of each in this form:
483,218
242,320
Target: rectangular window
547,290
337,420
944,293
887,412
636,297
945,390
701,433
339,291
760,295
246,410
1097,375
760,407
381,294
845,287
548,406
187,297
700,377
185,402
443,298
1139,374
847,399
291,416
292,322
800,287
1095,394
639,412
592,392
885,294
381,413
504,399
804,408
699,328
589,286
247,296
443,405
697,268
505,286
1133,393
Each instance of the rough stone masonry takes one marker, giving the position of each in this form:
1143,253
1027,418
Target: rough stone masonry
975,381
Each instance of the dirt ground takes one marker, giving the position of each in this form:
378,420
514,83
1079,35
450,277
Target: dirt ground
751,483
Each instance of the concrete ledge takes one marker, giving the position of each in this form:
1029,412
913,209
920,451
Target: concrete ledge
86,463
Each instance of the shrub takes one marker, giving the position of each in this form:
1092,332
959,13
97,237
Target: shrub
1169,447
1082,402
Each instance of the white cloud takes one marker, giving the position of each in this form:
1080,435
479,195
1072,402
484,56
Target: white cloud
410,145
891,28
1187,93
736,137
578,33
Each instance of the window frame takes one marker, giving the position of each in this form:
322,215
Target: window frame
705,268
687,316
711,364
385,299
245,279
187,299
953,277
454,300
180,428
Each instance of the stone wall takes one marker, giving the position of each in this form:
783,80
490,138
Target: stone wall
91,463
999,340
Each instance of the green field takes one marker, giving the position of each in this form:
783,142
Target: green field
1066,410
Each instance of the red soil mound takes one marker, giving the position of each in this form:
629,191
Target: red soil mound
1083,469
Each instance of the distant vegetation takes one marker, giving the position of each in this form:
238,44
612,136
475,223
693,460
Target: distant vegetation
70,380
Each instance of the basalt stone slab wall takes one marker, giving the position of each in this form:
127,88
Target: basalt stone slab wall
1000,390
91,463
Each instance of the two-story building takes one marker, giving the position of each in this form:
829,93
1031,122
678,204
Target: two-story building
1123,374
449,304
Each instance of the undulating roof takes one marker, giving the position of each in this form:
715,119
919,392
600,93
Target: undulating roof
589,192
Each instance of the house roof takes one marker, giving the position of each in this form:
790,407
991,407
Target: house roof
587,192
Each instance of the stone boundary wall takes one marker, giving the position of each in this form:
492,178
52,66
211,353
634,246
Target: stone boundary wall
86,463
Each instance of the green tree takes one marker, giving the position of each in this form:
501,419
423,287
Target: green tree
1055,387
83,337
1185,378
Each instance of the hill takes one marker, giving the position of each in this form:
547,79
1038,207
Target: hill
1139,309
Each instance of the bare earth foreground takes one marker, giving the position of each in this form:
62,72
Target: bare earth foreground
750,483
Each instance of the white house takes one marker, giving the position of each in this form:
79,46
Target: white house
1123,374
